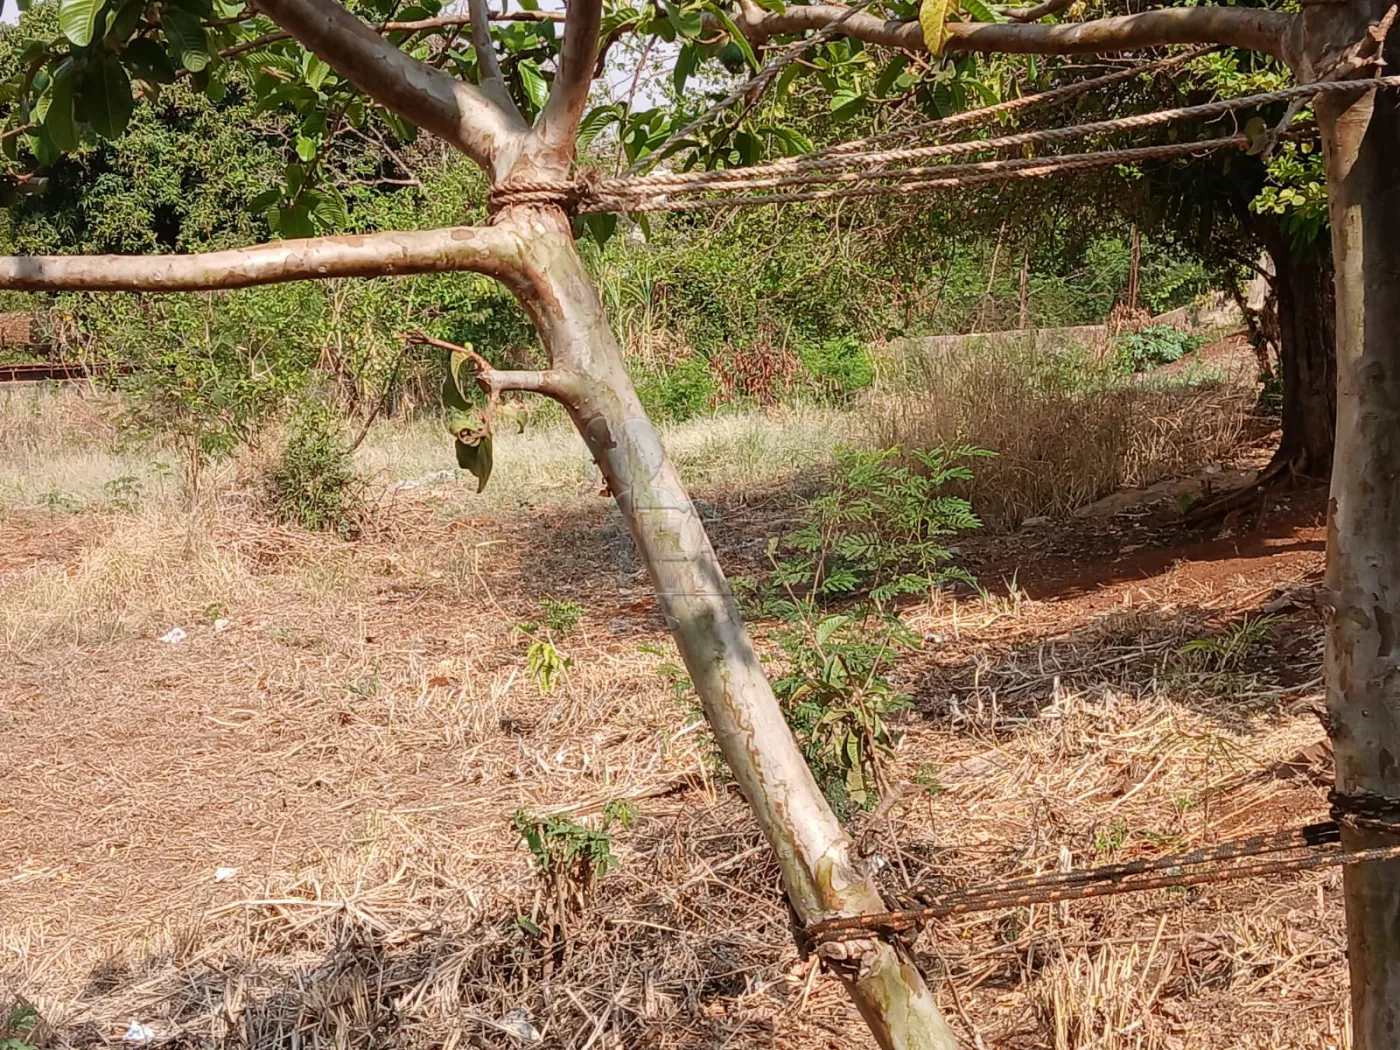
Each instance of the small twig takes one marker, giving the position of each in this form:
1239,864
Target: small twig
483,366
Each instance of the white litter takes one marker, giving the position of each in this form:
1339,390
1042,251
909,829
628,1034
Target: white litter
174,635
517,1023
138,1033
224,874
221,624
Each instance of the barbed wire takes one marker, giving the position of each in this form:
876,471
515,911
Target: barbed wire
1227,861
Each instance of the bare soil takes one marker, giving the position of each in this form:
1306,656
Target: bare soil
295,829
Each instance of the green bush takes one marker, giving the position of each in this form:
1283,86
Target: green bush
839,367
1156,344
681,392
313,483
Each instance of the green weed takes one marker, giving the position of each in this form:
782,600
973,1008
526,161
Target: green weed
313,483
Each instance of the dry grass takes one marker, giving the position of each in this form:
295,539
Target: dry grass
352,744
1064,437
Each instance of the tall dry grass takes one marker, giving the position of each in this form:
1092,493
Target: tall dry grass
1067,429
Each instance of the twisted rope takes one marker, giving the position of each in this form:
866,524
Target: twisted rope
660,191
1225,862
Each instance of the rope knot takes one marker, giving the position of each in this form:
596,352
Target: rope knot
1366,809
571,196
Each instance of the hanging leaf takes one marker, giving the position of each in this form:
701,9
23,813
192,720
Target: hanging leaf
292,221
148,61
314,70
686,63
124,23
1256,133
104,97
933,17
327,207
595,121
58,117
76,18
533,83
476,457
736,38
187,37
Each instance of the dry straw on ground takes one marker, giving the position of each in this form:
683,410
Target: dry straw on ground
294,829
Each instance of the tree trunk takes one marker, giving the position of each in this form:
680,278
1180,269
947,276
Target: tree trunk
821,877
1307,321
1361,139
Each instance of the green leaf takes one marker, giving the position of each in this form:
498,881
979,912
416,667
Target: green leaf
600,225
533,83
933,16
104,95
266,199
595,121
735,37
187,37
306,148
327,208
1256,133
124,23
476,457
314,70
686,62
58,117
76,18
148,61
830,626
292,221
981,11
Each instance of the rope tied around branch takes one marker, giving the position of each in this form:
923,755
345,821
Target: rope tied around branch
872,173
1366,809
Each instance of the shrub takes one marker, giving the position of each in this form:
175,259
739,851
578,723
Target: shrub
313,482
876,528
839,367
836,696
681,392
1154,345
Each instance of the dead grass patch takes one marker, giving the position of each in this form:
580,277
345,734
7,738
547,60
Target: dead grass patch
1065,434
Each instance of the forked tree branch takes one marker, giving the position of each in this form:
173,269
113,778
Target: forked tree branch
568,96
464,115
1256,29
490,250
565,385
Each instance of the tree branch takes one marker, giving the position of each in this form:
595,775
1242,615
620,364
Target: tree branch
489,250
465,115
565,385
486,60
1253,28
568,96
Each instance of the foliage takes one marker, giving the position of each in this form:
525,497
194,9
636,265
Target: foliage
839,367
17,1029
544,662
1229,650
836,696
569,856
681,392
877,527
313,482
1296,191
209,374
1154,345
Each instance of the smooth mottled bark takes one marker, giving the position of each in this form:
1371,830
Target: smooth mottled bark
820,874
1361,137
